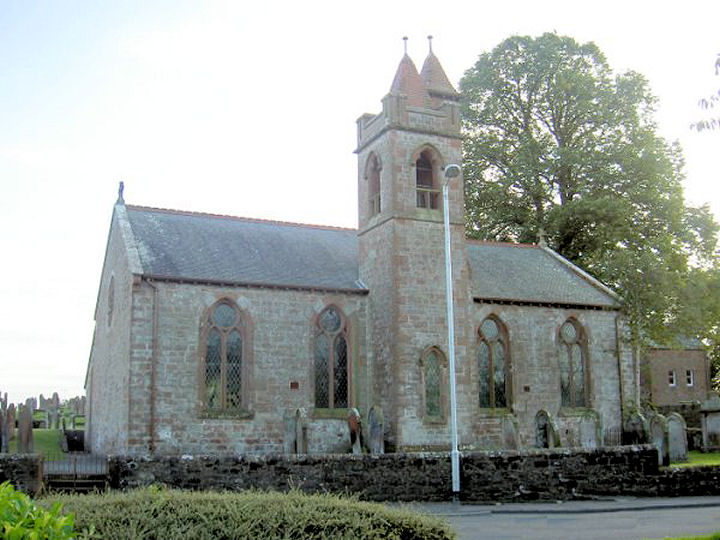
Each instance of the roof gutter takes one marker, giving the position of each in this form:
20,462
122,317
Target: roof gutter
253,285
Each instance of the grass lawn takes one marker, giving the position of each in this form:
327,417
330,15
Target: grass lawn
45,441
698,459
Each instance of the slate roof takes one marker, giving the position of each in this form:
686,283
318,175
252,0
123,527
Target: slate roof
202,247
209,248
529,273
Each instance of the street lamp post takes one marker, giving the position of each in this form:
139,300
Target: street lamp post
451,171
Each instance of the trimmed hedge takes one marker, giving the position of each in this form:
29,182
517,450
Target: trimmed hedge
160,513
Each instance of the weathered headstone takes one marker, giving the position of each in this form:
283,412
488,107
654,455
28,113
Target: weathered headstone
546,433
25,430
588,430
635,429
710,423
677,437
301,431
3,414
355,429
52,406
659,437
376,421
8,428
510,433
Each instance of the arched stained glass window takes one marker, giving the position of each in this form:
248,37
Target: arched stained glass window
433,364
332,380
493,362
573,357
223,358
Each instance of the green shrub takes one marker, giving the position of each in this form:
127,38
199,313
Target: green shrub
164,513
22,519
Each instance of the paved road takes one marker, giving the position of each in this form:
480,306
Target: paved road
620,519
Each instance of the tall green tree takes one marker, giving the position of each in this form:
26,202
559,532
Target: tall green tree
557,145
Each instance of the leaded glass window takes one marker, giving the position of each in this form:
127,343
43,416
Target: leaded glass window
332,378
493,364
223,358
433,364
572,365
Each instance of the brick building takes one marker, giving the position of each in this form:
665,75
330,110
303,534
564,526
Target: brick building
676,374
213,333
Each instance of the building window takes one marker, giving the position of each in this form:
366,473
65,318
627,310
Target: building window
690,377
373,177
332,379
672,381
432,365
493,364
223,358
428,194
573,360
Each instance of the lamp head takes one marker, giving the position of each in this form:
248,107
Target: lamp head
452,170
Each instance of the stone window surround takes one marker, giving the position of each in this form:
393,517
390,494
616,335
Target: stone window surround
504,337
427,194
373,170
582,341
444,382
344,329
245,328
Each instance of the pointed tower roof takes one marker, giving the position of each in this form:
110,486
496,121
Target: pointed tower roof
407,81
434,78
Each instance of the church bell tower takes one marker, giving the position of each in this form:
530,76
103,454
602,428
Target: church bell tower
402,153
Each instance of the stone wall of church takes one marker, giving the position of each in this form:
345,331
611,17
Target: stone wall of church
535,374
278,359
108,369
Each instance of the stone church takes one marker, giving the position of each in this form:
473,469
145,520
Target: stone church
219,335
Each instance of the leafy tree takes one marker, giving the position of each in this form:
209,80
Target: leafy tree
709,103
556,145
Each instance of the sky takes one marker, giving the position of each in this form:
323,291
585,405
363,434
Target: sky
248,109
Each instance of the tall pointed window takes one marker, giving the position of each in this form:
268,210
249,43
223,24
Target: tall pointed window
573,358
222,369
428,194
432,365
373,178
493,364
332,378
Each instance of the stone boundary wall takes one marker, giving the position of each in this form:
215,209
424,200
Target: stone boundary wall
535,475
24,471
557,474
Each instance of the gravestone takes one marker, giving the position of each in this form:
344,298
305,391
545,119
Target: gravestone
635,429
710,423
3,415
588,431
301,431
659,437
546,433
25,430
677,437
510,433
52,406
8,428
355,429
376,420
